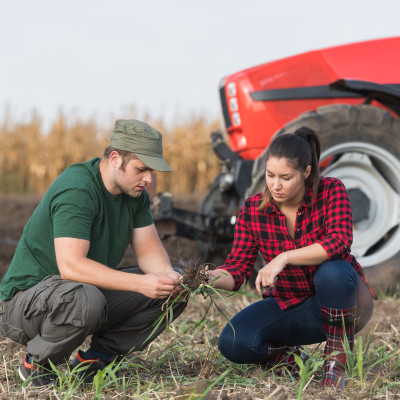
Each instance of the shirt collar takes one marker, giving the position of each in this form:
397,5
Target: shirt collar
307,202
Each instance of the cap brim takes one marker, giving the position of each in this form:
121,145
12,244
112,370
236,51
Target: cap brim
156,163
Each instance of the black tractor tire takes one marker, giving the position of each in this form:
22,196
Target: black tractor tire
216,203
369,133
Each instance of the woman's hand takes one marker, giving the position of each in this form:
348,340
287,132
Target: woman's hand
269,273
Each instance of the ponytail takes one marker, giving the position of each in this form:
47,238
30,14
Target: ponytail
312,139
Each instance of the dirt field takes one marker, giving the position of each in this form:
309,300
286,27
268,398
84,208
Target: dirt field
15,211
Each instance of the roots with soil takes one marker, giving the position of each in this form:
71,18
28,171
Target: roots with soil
194,276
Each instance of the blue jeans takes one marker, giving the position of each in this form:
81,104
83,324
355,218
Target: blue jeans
337,286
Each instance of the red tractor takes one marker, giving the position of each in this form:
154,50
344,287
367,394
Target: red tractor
350,95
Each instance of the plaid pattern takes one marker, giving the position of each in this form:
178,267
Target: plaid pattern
277,354
283,356
334,365
327,220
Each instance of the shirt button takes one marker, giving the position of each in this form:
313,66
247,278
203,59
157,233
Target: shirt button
299,213
298,229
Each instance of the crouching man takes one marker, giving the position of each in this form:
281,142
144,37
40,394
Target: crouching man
63,283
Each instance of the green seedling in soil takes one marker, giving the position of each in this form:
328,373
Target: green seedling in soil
306,370
106,378
195,281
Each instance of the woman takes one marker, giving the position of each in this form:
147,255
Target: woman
314,287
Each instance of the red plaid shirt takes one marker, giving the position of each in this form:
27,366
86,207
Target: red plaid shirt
327,220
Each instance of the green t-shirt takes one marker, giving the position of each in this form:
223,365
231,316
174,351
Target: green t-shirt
77,205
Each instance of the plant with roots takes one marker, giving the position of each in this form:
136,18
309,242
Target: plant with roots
196,281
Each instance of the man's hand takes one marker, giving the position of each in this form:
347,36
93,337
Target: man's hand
159,285
269,273
179,289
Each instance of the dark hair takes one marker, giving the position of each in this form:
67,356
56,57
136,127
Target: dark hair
301,148
126,155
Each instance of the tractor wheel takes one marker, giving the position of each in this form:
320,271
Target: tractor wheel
216,203
361,147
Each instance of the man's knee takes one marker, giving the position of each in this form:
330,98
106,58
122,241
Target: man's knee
93,306
81,307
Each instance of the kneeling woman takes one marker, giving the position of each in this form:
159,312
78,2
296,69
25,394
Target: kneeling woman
302,226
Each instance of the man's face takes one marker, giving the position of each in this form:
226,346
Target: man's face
133,180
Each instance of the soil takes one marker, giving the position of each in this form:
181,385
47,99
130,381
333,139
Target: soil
16,209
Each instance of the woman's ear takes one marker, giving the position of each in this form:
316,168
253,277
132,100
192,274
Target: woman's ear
307,172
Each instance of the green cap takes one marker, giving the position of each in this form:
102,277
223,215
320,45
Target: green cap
143,140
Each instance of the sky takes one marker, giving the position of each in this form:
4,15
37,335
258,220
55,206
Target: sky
98,59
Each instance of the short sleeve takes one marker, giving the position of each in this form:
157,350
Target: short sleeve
72,214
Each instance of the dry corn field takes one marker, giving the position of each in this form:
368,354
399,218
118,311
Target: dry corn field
183,363
31,159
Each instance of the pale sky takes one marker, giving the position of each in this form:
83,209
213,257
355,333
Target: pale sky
98,58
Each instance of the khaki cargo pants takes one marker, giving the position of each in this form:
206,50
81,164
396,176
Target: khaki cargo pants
55,316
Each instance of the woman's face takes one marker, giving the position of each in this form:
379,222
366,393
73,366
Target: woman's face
286,184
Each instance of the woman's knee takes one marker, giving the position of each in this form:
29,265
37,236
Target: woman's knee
336,273
226,343
335,281
238,347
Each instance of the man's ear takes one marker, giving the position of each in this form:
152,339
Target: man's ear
115,159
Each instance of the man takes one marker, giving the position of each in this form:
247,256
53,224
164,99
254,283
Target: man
63,283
